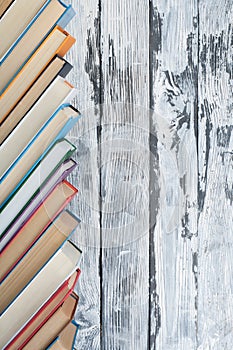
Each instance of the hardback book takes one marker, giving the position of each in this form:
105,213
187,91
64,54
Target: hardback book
4,6
29,301
37,256
66,339
53,130
35,226
15,21
61,151
58,42
57,67
44,313
60,91
60,174
29,41
54,325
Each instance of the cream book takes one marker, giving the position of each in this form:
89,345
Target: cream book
60,91
38,291
27,191
40,252
15,21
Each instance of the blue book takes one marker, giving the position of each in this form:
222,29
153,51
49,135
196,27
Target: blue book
59,92
58,125
41,25
66,338
61,151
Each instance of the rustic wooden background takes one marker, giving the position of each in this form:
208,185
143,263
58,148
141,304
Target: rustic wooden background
155,143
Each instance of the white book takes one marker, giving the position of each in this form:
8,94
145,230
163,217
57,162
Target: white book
36,179
59,91
38,291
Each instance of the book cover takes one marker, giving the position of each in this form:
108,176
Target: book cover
41,251
66,339
45,312
19,245
60,92
47,280
60,174
57,67
54,325
60,151
56,128
58,42
53,13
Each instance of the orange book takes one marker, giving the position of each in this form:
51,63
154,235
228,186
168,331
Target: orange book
58,42
44,313
35,226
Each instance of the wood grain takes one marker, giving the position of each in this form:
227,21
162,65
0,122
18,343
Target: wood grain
155,173
125,174
173,250
85,76
215,121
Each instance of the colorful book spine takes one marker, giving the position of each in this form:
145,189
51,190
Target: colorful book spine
40,263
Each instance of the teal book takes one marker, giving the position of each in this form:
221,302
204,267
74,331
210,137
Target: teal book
66,338
28,189
52,13
56,127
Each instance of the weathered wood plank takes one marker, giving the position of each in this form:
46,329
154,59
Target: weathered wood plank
173,57
124,141
215,297
85,76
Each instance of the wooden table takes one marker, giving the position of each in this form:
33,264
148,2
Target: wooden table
154,145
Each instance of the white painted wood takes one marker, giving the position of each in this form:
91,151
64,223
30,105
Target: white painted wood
160,280
84,57
215,296
174,66
125,174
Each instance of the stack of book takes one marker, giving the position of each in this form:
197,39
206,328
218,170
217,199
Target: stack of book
39,263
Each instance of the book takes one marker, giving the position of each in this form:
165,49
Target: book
42,24
4,5
58,42
35,226
61,151
50,186
60,91
58,66
37,256
66,339
48,280
44,313
54,129
15,20
54,325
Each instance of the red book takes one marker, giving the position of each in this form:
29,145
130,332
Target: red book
35,226
45,312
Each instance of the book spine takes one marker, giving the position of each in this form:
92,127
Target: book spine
32,320
61,134
9,233
24,32
66,17
38,236
65,69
